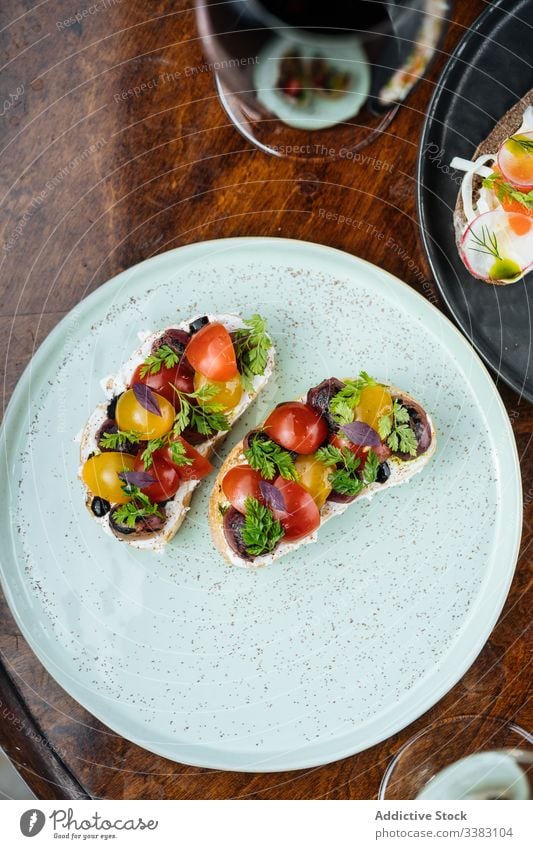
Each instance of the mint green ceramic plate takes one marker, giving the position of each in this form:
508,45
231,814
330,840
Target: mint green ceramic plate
327,651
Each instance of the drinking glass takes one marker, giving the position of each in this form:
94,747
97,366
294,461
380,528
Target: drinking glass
466,757
317,79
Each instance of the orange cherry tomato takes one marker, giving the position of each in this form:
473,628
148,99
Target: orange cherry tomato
314,477
229,393
100,474
131,415
211,352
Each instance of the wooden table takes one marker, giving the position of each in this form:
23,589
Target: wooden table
160,169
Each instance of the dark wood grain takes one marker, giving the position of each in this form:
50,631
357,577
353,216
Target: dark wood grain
165,169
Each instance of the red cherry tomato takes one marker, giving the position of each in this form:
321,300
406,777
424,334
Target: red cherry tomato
239,483
296,427
383,451
211,352
167,477
341,442
181,376
195,471
301,515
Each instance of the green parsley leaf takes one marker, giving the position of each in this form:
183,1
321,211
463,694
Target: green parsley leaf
118,439
506,191
270,459
205,417
252,344
401,437
384,426
370,471
176,448
261,532
344,403
164,356
140,506
344,478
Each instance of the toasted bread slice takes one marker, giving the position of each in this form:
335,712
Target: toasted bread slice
401,471
176,508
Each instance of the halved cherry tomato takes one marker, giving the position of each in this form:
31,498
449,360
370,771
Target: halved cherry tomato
301,515
131,415
167,477
195,471
341,442
100,473
181,376
229,392
382,451
314,477
296,427
211,352
239,483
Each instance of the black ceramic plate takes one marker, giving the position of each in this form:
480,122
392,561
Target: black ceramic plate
487,74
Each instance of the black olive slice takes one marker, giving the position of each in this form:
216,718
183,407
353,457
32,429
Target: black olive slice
100,506
198,323
383,473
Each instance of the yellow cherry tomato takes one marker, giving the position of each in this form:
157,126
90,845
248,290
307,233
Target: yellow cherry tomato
100,473
313,477
131,415
228,394
374,403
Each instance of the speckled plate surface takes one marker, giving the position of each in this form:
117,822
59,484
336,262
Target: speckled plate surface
329,650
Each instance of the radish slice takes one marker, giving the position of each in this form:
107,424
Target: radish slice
515,160
477,167
498,246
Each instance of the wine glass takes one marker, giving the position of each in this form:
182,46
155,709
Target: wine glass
315,79
466,757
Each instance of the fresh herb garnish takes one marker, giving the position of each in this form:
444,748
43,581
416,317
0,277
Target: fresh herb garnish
261,532
206,417
506,191
488,243
252,344
270,460
176,448
344,478
118,439
272,496
370,471
396,431
138,508
525,144
140,479
361,434
164,356
146,398
344,403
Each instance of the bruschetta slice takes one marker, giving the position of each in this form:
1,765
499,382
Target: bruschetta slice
145,449
493,216
346,439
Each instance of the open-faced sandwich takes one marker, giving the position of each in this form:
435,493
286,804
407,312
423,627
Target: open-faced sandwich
493,217
144,451
309,460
